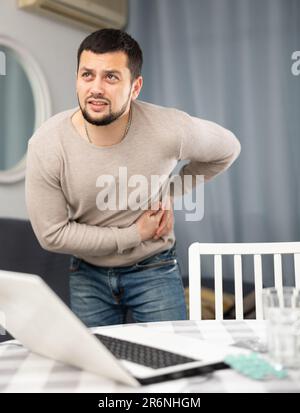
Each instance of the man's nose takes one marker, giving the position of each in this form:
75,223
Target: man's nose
98,86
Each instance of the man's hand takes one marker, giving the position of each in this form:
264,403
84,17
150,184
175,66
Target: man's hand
148,223
157,222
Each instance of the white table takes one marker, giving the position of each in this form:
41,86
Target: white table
23,371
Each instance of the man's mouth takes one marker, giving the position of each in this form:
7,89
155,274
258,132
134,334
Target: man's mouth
97,102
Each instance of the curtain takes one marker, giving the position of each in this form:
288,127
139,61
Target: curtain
230,61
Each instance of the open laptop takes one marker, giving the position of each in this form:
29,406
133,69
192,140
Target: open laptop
133,355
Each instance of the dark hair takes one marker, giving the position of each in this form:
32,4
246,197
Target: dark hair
113,40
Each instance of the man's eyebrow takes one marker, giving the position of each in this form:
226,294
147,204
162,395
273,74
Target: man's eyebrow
113,71
105,71
86,68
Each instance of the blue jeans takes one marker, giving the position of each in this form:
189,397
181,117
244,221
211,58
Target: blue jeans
151,289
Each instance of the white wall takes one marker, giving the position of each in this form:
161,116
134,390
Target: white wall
54,46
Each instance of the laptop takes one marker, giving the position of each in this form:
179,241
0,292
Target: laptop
133,354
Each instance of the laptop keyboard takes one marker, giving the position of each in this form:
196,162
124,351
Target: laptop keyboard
141,354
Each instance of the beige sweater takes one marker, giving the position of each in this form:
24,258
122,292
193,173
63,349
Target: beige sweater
63,168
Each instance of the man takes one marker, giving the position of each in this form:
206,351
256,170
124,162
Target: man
123,257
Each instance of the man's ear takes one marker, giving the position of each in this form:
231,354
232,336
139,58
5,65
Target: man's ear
137,86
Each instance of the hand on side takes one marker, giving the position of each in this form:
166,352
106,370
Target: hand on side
157,222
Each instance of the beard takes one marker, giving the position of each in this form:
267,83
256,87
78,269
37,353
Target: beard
107,119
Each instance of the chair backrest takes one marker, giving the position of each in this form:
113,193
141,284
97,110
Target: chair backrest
196,250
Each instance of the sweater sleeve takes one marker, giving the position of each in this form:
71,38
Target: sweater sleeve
48,212
209,148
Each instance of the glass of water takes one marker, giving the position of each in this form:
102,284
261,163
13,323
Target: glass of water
282,312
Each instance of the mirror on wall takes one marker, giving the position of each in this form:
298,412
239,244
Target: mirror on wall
24,106
16,111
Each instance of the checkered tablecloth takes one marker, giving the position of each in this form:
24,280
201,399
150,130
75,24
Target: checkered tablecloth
23,371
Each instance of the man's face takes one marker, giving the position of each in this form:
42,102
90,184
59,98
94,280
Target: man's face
104,88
